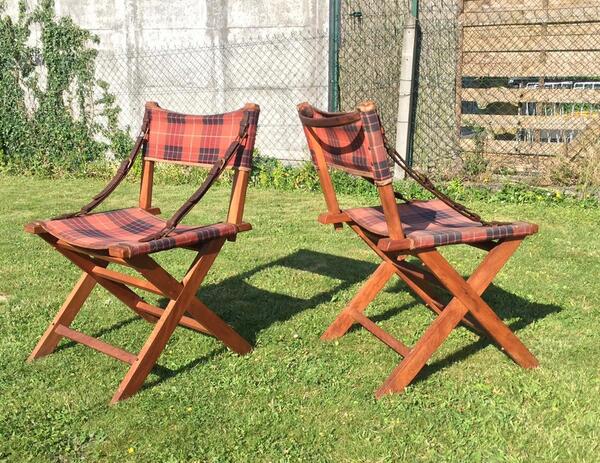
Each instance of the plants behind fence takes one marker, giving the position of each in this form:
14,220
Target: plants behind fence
49,121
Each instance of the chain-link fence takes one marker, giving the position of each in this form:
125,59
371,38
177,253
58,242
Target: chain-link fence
276,72
370,68
499,86
369,56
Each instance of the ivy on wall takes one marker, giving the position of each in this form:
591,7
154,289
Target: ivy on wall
55,116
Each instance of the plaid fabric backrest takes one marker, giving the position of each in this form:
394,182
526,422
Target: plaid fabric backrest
356,146
198,140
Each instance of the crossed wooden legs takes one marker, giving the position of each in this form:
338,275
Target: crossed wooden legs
182,298
466,307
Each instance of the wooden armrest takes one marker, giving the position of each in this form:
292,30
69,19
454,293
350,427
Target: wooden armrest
35,228
328,218
244,226
388,244
153,210
241,227
337,220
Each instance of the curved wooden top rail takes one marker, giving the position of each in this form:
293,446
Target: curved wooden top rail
154,106
307,112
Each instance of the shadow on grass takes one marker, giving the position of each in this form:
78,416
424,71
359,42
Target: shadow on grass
250,310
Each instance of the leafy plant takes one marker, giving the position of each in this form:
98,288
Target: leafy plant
474,162
50,122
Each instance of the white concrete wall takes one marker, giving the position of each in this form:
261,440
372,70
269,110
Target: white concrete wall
193,56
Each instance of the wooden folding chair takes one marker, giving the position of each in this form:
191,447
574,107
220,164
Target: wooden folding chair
354,142
92,241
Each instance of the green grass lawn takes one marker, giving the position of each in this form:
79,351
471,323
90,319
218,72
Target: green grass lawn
295,398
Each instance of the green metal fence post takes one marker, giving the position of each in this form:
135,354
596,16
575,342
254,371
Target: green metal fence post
414,12
414,8
333,90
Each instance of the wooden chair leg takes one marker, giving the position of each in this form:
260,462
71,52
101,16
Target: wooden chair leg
418,356
64,317
182,295
221,330
165,326
119,290
359,303
466,298
196,308
423,291
470,297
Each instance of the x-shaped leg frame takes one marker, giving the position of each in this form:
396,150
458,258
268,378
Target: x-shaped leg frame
466,307
182,298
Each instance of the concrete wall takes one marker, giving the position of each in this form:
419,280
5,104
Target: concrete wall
195,56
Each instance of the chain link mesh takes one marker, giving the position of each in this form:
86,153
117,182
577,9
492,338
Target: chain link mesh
276,72
506,87
369,56
370,63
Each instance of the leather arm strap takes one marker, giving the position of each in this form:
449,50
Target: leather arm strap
428,185
214,173
330,121
121,173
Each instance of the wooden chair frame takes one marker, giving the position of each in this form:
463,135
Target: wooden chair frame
184,308
466,307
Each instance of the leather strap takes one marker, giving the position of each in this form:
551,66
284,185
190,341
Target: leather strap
215,171
428,185
330,121
121,173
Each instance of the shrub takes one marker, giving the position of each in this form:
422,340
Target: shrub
474,163
47,109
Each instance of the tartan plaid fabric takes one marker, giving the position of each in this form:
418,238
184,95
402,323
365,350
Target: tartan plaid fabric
380,159
432,223
125,227
347,148
198,139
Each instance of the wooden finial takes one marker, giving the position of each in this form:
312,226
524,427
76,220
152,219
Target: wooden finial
367,105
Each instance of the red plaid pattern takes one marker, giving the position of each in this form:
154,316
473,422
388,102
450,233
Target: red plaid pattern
195,139
380,159
122,229
429,224
347,148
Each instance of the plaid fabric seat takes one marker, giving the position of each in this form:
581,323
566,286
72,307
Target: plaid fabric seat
121,230
432,223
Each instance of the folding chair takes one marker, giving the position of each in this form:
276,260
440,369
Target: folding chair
354,142
127,237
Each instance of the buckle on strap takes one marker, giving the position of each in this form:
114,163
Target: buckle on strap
158,235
